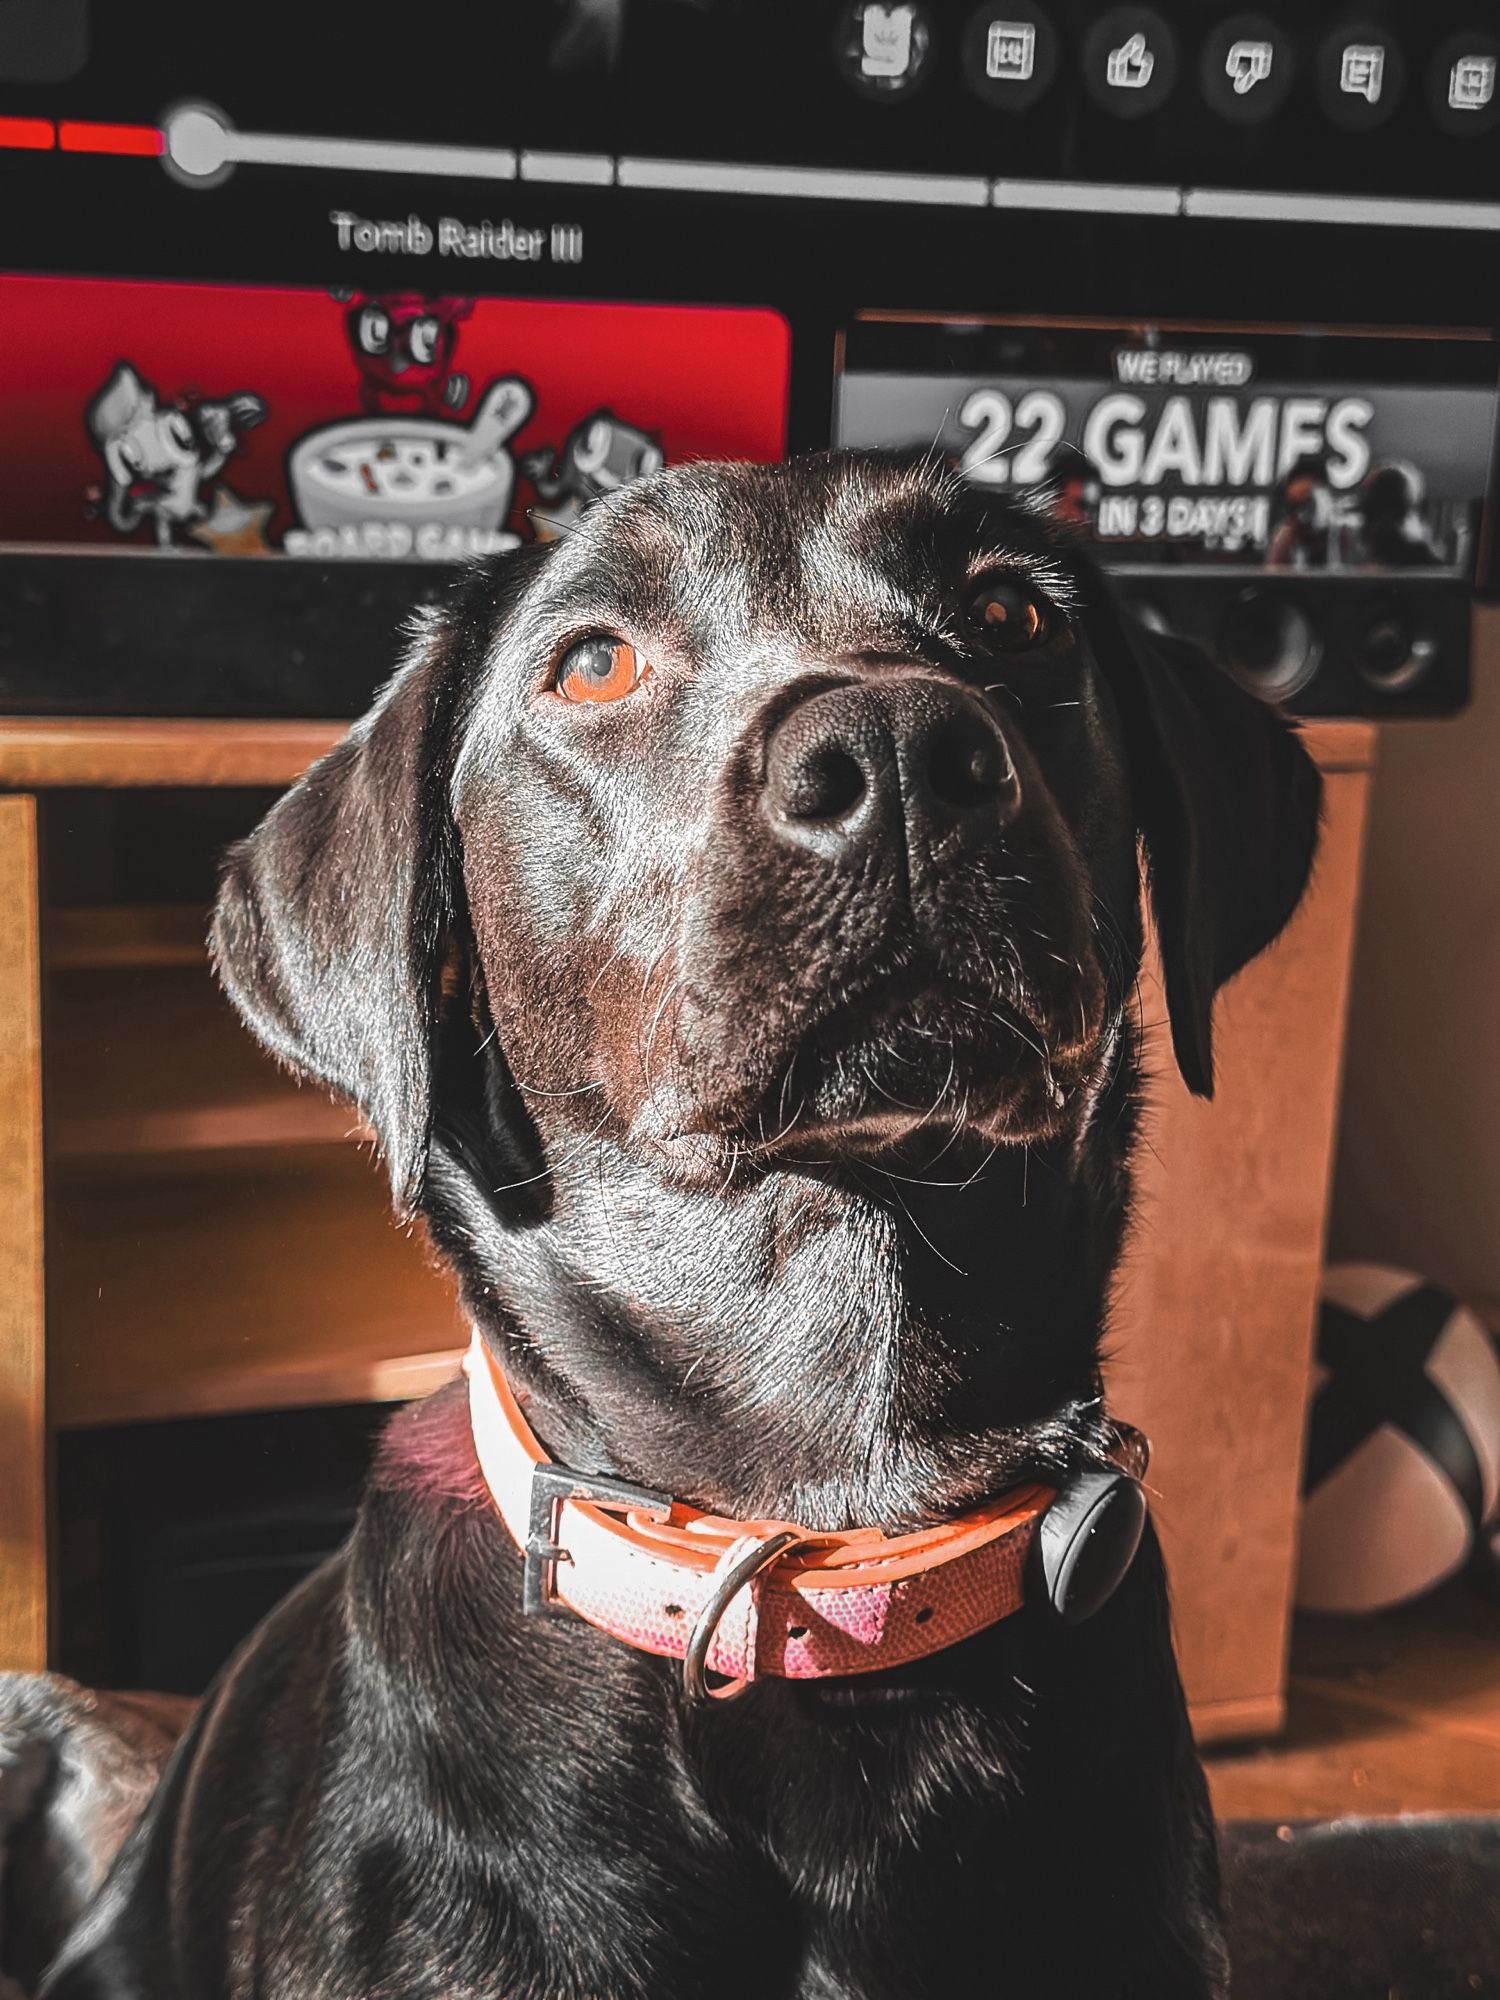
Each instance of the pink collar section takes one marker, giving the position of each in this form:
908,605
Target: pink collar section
659,1575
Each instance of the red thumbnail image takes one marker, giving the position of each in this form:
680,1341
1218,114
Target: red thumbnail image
400,425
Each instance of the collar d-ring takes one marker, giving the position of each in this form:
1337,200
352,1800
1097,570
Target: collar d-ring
694,1661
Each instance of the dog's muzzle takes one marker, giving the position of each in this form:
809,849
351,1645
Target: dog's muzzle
747,1600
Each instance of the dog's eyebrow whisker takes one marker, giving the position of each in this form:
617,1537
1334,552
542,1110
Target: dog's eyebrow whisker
880,1088
959,1124
983,1166
906,1211
536,1090
917,1180
1050,576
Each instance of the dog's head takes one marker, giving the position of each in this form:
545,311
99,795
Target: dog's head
779,814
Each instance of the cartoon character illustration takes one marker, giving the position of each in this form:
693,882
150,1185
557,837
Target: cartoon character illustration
404,343
235,527
392,487
598,455
158,456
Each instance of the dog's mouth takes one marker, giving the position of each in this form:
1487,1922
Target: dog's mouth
914,1066
907,1062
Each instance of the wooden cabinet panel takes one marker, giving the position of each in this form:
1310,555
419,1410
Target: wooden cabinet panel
23,1551
256,1278
1214,1314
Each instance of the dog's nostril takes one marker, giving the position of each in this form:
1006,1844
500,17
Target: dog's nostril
826,784
853,769
924,1614
964,769
796,1631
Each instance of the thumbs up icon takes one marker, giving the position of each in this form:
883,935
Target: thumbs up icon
1129,67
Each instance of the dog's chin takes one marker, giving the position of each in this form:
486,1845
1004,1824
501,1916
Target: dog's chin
930,1075
915,1123
927,1086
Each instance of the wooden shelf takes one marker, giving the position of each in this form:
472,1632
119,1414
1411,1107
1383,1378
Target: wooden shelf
85,939
37,752
152,1060
245,1281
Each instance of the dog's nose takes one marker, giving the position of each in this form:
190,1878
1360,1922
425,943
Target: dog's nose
853,767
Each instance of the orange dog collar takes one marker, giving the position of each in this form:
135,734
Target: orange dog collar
746,1599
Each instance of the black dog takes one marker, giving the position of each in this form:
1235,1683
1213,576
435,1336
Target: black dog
729,920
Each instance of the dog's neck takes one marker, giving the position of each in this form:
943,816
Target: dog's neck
839,1348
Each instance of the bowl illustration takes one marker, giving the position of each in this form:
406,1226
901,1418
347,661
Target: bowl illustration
406,471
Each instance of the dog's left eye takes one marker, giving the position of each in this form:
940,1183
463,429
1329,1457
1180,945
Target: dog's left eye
600,668
1010,613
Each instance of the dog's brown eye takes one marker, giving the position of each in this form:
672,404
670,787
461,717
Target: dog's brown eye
602,668
1011,615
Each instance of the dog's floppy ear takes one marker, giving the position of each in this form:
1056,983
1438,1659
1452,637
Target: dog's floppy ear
335,917
1226,802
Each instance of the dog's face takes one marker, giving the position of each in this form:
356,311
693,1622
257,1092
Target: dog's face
792,811
779,814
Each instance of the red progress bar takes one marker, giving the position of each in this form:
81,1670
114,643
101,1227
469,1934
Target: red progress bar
75,137
35,134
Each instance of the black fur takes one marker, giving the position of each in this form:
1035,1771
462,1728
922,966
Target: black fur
789,1184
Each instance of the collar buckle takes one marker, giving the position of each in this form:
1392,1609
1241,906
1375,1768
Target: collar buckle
551,1485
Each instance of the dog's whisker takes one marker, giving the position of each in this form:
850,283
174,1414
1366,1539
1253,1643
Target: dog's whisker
906,1211
564,1161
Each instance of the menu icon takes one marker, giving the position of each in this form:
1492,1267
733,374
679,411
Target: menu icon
1247,64
1130,61
1360,75
1362,71
885,41
1246,69
884,47
1131,65
1471,83
1009,59
1463,84
1010,51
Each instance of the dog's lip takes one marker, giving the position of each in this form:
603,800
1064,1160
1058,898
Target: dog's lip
967,1014
884,1132
860,1013
900,996
882,996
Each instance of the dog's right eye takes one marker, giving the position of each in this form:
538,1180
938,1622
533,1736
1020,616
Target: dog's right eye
600,668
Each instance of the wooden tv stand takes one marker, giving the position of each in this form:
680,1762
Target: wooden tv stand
154,1287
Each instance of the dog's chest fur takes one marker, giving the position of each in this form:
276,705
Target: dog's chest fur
803,1842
